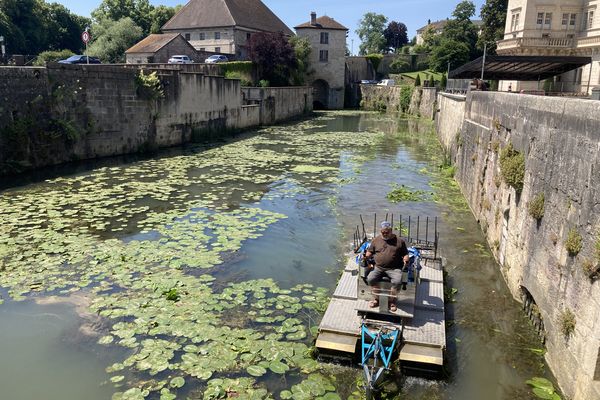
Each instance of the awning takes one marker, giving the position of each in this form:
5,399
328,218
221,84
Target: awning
519,68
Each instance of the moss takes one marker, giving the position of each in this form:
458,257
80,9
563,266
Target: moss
536,206
567,322
591,268
574,242
512,167
458,139
486,205
474,157
495,146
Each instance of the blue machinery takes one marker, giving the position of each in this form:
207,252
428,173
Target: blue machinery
377,349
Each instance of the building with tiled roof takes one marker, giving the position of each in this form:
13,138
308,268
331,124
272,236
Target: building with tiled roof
327,38
158,48
438,27
224,26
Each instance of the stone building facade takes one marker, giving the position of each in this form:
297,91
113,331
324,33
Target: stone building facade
224,26
158,48
557,28
327,38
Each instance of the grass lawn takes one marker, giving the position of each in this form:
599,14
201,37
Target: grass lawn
413,75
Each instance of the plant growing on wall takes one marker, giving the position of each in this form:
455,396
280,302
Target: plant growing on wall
574,242
566,322
543,388
149,86
406,93
536,206
512,167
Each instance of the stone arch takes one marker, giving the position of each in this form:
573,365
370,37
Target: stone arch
320,94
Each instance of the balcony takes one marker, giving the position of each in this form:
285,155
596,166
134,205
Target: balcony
545,43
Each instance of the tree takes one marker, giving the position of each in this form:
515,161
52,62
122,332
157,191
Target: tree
302,49
395,35
448,51
26,34
274,56
138,10
160,15
461,28
370,31
493,15
113,38
64,28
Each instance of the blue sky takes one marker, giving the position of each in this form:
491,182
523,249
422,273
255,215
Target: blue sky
414,13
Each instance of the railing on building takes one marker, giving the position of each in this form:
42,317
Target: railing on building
458,86
546,42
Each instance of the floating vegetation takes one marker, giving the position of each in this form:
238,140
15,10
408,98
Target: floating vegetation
401,193
543,388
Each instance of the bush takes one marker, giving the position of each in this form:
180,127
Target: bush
149,86
406,93
574,242
50,56
512,167
536,206
422,65
375,60
567,322
238,75
418,80
399,65
443,82
264,83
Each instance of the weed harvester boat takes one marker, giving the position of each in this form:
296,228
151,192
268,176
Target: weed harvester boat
414,335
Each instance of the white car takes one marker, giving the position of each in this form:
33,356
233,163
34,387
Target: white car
217,58
180,60
387,82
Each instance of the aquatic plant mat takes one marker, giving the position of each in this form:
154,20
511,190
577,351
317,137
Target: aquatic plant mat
154,247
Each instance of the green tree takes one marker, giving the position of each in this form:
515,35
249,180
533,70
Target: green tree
461,28
26,34
302,48
274,56
64,28
113,38
448,51
160,15
493,15
370,31
140,11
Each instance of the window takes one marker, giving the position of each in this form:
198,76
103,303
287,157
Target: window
565,20
548,21
217,49
572,21
324,55
201,36
540,20
217,35
514,23
590,21
187,36
324,37
248,35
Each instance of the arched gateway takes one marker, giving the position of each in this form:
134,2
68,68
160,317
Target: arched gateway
320,94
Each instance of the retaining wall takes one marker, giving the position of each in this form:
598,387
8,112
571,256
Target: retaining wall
64,113
560,139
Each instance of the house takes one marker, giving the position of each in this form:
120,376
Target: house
557,28
327,38
438,28
158,48
224,26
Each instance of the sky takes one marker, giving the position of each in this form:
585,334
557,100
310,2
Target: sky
413,13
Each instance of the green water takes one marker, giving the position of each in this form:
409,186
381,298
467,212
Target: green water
208,268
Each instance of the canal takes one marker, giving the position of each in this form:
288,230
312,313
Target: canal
203,272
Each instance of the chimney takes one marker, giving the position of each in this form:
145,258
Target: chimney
313,18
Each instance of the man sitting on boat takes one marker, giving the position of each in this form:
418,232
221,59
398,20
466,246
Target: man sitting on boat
390,254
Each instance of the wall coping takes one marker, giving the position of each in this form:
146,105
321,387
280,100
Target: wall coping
458,97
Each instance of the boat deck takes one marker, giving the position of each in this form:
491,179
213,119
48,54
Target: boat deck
421,310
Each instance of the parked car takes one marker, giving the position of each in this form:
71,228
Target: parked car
217,58
387,82
78,59
180,59
368,82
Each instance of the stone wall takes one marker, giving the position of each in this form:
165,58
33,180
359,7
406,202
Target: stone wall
63,113
423,100
560,140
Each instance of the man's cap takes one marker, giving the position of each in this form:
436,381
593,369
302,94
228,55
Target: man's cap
386,225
